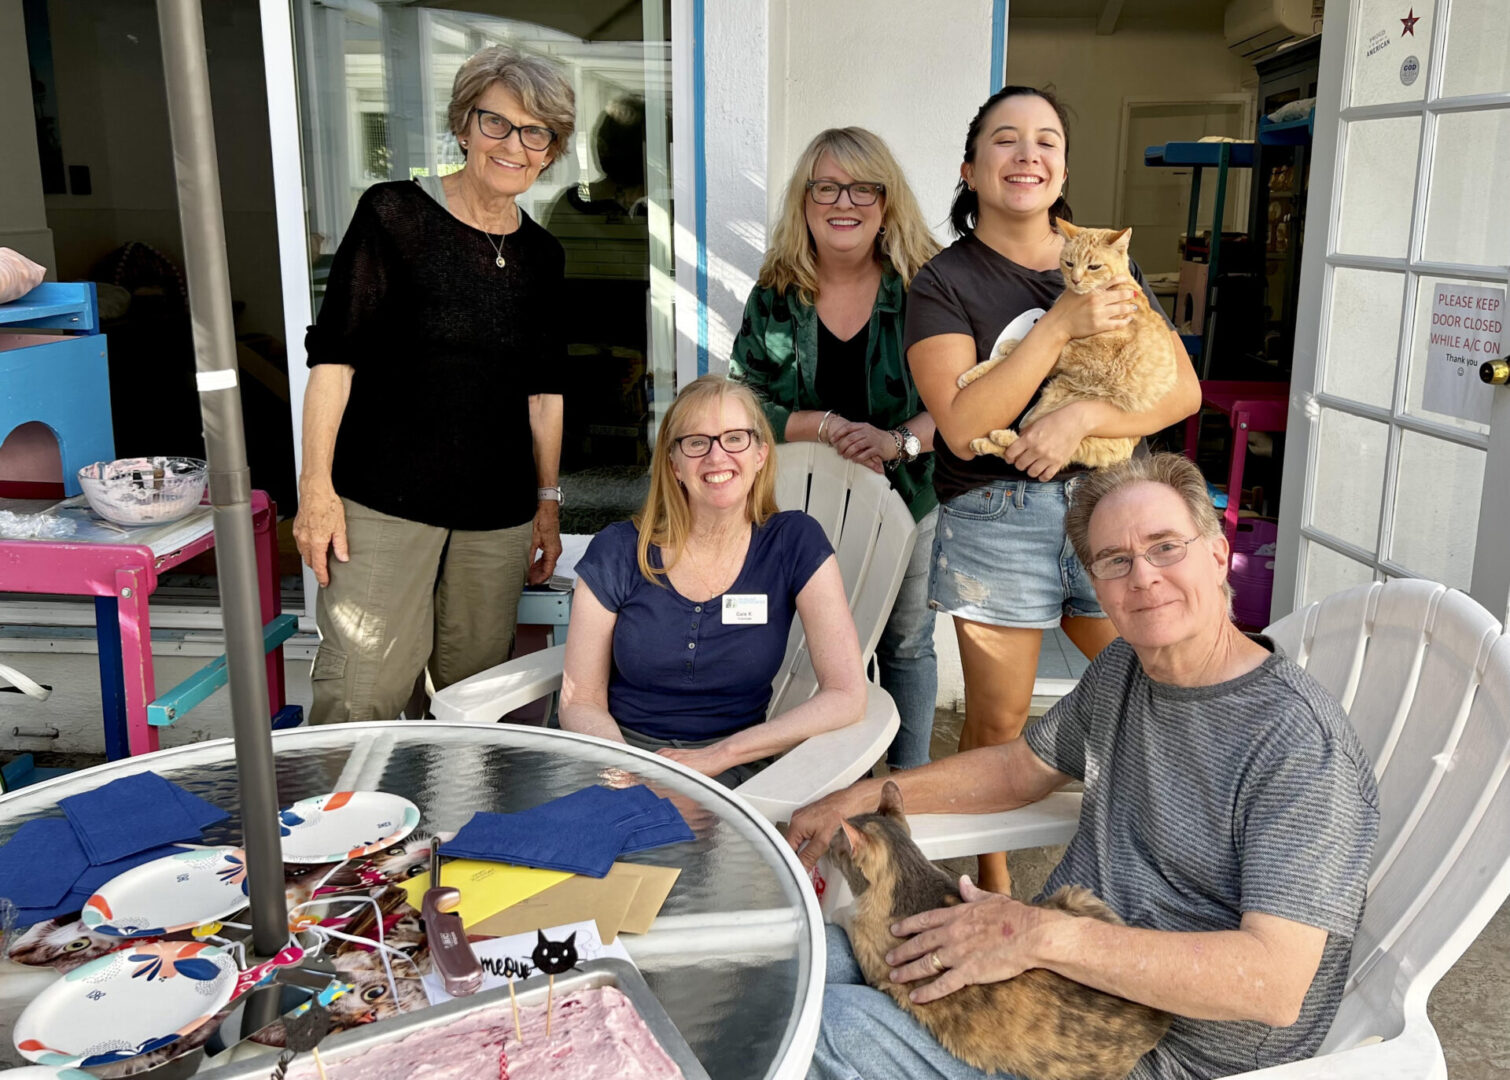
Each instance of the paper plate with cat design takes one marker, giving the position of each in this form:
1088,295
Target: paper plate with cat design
177,892
138,999
344,825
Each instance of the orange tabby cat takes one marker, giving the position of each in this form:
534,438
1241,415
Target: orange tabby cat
1038,1025
1132,368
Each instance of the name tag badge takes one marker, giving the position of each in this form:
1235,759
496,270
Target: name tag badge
747,609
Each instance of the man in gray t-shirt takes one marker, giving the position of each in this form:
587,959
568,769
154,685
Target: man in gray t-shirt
1229,818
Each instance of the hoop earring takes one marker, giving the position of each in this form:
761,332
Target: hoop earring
881,232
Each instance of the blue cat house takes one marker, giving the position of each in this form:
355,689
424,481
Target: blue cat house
61,380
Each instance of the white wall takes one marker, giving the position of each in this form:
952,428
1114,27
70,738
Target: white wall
1093,73
913,75
114,118
23,216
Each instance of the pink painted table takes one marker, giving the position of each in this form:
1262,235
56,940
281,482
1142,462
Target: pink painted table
121,570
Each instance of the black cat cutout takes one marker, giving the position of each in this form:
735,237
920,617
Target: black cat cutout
555,957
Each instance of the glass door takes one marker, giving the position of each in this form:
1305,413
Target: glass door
374,80
1397,450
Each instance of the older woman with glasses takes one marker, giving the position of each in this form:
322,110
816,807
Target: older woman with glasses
822,345
680,619
432,421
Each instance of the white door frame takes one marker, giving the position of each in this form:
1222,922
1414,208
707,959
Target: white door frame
1491,573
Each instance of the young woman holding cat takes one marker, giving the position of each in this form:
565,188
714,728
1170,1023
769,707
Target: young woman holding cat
1002,566
821,344
680,619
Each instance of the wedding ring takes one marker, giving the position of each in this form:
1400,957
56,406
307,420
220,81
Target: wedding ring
938,965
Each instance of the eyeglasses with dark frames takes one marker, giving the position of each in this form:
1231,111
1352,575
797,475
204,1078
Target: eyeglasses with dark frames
531,136
1164,553
861,192
734,441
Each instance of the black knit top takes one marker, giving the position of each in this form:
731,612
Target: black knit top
447,348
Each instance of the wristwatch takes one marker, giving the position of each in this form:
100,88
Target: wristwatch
550,494
909,446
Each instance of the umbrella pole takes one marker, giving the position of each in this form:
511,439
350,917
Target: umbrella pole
181,23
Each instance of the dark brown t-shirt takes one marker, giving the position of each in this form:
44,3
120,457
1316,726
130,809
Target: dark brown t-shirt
968,288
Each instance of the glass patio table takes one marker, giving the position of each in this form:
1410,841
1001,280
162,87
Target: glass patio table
735,956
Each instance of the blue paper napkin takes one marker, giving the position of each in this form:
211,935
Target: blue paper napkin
71,904
582,833
655,828
135,814
41,863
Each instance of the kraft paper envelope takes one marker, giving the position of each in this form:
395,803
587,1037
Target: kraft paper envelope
486,887
605,900
655,886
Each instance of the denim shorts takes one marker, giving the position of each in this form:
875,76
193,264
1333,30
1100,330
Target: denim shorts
1001,557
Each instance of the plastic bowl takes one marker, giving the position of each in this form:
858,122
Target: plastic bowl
144,490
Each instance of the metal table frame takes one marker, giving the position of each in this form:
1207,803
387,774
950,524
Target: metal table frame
693,934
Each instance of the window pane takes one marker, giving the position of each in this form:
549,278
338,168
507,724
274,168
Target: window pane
1420,351
1363,335
1391,48
1378,183
1478,48
1349,478
1328,572
1470,187
1436,512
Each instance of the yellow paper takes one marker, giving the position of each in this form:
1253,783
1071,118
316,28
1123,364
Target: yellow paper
486,887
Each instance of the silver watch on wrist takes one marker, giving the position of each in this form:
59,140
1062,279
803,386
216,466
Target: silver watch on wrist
550,494
909,446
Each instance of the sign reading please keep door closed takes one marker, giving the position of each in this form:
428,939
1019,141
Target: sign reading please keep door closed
1467,324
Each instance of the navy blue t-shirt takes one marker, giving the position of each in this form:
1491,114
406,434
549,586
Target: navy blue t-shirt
679,670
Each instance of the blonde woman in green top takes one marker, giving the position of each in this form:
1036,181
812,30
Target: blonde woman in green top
821,344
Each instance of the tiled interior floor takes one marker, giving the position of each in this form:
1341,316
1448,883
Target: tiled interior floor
1470,1007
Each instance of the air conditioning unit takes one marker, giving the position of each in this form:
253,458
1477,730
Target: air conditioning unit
1255,28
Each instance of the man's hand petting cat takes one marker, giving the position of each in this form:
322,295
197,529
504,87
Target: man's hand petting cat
989,938
870,446
1044,446
1083,315
812,827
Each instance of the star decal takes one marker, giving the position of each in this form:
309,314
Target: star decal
1410,21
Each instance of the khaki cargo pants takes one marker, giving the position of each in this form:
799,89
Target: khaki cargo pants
412,596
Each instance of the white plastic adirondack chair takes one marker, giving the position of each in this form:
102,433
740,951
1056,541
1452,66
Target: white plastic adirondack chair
1424,673
872,532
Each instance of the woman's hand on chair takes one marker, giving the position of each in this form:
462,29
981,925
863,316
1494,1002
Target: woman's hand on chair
319,527
864,443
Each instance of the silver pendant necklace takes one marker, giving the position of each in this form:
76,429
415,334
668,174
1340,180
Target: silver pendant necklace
500,261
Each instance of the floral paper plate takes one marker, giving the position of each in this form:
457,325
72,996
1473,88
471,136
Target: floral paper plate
344,825
176,892
125,1004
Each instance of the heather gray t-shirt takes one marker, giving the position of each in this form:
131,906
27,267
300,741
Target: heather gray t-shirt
1202,803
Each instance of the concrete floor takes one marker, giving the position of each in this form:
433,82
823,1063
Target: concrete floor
1470,1007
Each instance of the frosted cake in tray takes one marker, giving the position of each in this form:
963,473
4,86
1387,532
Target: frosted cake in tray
596,1034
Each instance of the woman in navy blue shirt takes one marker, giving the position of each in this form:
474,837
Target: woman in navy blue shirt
681,617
